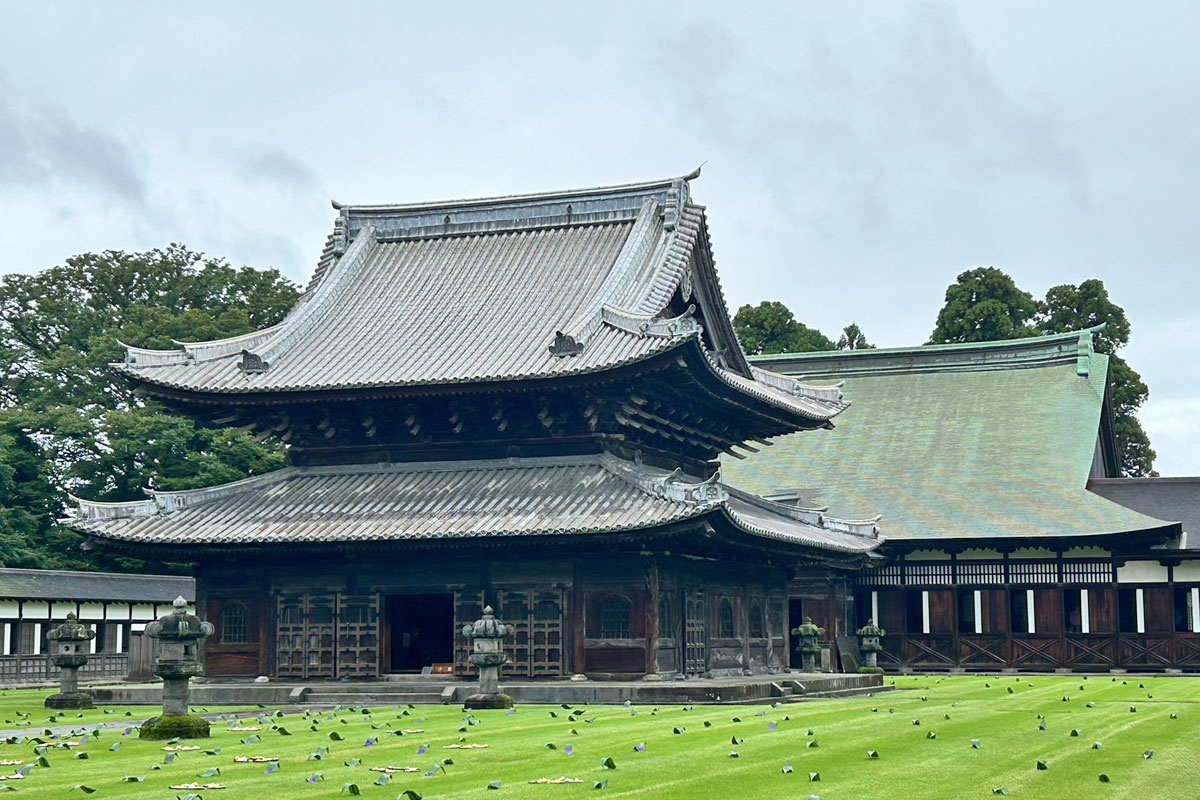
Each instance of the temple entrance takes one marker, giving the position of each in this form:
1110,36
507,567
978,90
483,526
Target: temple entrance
420,631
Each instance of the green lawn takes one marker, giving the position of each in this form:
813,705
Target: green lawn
697,762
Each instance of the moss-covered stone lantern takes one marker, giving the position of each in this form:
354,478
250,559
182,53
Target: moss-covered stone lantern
179,635
809,636
869,642
486,634
70,644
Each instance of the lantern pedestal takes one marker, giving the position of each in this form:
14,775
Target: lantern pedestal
70,642
488,657
179,635
809,636
869,643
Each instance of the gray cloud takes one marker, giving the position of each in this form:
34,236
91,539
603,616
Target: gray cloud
41,144
272,165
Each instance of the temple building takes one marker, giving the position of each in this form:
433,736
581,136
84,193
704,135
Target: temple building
1009,543
521,402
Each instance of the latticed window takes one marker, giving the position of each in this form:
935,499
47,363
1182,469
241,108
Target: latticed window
666,620
234,626
614,618
757,628
725,628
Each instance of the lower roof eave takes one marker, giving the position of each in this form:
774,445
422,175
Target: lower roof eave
702,525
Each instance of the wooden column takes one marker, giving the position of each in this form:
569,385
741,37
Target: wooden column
577,623
745,619
652,620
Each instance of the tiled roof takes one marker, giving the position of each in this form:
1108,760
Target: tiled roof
1176,499
477,291
53,584
575,495
955,441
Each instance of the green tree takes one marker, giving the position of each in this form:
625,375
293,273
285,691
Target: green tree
1071,308
770,327
853,338
69,423
982,305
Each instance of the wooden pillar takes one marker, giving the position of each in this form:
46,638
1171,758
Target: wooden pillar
577,622
652,620
745,615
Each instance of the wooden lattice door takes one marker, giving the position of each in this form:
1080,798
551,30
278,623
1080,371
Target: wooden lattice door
514,610
358,636
468,607
546,626
319,631
304,636
289,637
695,644
535,647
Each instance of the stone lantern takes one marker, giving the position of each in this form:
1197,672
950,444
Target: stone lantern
70,652
869,643
809,645
179,635
486,634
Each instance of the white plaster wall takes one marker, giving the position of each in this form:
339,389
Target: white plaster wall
1142,572
1188,571
91,610
35,609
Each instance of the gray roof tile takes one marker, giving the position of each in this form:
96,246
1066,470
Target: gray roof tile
53,584
446,500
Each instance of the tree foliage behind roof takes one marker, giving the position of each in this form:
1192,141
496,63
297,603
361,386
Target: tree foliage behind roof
985,304
69,423
771,327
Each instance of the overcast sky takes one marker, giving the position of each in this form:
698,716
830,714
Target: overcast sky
856,161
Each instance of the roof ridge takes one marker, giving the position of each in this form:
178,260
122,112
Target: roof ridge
1032,351
512,199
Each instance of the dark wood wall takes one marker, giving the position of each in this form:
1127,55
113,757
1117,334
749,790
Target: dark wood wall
328,618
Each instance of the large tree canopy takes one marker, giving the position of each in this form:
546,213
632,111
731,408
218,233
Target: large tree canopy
985,304
69,423
982,305
1072,308
771,327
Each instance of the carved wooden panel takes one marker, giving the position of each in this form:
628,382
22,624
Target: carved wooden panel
1145,651
932,651
1033,651
695,638
358,635
1090,651
1187,651
983,651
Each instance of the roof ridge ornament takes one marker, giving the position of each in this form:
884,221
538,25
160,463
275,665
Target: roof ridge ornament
644,325
674,487
252,363
565,345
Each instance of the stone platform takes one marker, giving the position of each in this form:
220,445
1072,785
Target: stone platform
785,687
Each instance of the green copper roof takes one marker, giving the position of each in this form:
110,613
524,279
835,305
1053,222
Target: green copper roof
990,440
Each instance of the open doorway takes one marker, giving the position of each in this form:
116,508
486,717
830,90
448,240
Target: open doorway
421,628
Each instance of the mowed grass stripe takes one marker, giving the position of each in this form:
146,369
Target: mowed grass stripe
696,763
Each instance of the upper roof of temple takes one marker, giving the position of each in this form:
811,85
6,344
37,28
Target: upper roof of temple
482,291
